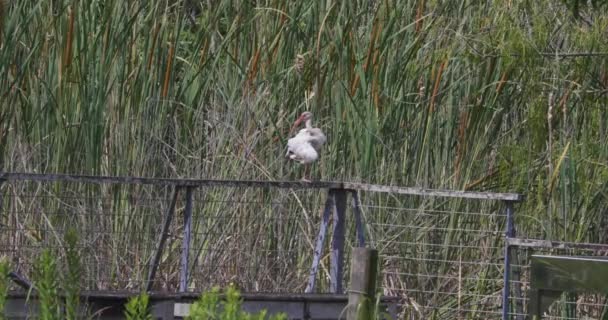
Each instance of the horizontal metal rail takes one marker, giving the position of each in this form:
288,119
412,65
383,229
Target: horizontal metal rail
548,244
15,176
193,296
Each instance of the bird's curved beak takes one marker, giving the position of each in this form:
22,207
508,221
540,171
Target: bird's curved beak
296,124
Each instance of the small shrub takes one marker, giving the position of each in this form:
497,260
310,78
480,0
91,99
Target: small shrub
72,279
138,308
48,279
47,286
210,307
4,284
207,305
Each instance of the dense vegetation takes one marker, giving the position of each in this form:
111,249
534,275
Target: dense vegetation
58,302
466,95
442,94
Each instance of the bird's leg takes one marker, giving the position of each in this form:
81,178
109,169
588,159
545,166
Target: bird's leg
307,172
306,168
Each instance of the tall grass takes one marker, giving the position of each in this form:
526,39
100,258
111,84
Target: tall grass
434,94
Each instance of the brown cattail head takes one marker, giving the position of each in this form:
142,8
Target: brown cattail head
3,9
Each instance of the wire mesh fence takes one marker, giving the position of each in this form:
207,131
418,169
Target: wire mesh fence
444,257
442,253
256,239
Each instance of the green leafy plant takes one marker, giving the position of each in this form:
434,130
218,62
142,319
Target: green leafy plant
4,284
47,285
72,279
138,308
206,306
210,306
58,289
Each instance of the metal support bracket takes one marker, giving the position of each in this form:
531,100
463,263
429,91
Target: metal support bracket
329,203
358,219
336,201
163,238
336,270
183,278
510,233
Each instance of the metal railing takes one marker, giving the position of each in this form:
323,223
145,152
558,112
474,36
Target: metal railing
443,256
446,254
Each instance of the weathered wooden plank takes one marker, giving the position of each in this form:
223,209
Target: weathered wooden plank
163,238
1,196
14,176
363,275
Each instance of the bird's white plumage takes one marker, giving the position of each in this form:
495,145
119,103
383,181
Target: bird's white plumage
299,148
306,146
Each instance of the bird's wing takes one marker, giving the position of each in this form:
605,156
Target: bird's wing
317,139
304,153
293,143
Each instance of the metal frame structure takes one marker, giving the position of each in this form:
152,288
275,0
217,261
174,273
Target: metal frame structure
336,202
336,209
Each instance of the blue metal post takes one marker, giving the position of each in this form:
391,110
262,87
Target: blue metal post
1,196
337,242
329,203
183,279
510,233
163,238
358,220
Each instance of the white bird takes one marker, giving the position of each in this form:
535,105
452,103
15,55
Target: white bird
306,145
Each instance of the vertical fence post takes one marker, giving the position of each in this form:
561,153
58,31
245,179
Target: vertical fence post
183,278
358,220
509,233
337,241
8,238
1,195
1,183
362,291
329,204
163,238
